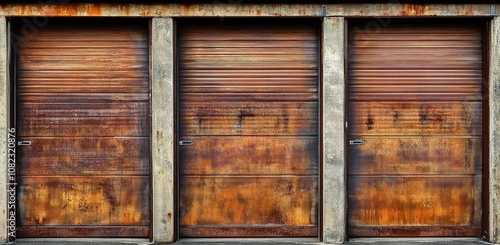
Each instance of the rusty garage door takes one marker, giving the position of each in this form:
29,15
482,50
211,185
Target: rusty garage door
249,129
415,129
83,103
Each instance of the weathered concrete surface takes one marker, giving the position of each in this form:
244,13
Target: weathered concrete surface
333,130
163,129
494,124
240,8
393,8
4,122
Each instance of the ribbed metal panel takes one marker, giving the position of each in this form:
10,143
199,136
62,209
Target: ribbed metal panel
83,102
401,63
249,102
415,98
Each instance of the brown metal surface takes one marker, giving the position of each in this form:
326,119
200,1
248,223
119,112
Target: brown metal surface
422,231
82,231
417,200
261,231
415,97
83,102
249,103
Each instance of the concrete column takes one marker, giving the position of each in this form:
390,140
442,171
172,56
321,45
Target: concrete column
163,129
334,183
4,122
494,124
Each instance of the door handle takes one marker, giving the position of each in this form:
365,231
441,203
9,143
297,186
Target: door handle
356,142
24,143
185,142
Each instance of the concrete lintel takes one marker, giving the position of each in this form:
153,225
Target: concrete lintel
4,115
333,130
162,77
395,9
238,9
494,124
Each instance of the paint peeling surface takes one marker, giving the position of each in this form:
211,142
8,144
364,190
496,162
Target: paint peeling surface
415,98
249,104
82,91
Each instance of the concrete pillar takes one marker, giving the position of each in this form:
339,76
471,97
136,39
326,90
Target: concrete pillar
334,205
163,129
4,122
494,124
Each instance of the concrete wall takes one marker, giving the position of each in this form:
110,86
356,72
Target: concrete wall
163,129
4,122
494,124
333,130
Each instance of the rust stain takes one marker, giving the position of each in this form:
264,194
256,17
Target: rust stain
93,9
254,231
403,201
369,122
395,117
66,10
83,200
187,9
423,115
268,156
243,113
416,231
169,216
414,9
285,200
469,10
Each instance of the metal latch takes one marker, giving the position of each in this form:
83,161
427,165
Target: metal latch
356,142
24,142
185,142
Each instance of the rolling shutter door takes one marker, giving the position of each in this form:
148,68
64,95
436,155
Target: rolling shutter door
415,98
249,104
83,102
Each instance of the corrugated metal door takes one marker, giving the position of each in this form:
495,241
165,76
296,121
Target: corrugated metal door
249,105
415,130
83,102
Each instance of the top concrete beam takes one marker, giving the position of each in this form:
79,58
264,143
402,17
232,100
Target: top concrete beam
236,8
